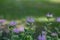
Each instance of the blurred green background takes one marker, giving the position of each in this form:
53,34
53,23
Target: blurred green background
17,9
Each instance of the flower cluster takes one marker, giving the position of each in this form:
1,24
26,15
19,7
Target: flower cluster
28,33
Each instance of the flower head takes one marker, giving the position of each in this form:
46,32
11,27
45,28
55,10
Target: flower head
54,34
58,19
41,37
12,23
31,20
21,29
49,15
2,20
16,30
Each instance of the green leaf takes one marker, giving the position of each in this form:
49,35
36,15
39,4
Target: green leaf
0,33
29,37
48,37
58,39
5,38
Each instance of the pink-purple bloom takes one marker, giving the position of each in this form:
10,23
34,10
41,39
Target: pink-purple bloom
16,30
58,19
41,37
30,20
12,23
49,15
21,29
2,20
54,34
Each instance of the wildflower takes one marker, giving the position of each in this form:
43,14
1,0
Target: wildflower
41,37
54,34
49,15
30,20
58,19
16,30
2,20
12,23
21,29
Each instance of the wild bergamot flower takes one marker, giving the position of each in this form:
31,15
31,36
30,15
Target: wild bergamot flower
12,23
41,37
30,20
58,19
54,34
2,20
49,15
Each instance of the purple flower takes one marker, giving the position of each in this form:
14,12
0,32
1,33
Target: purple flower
54,34
44,32
31,20
49,15
2,20
58,19
12,23
21,29
16,30
41,37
